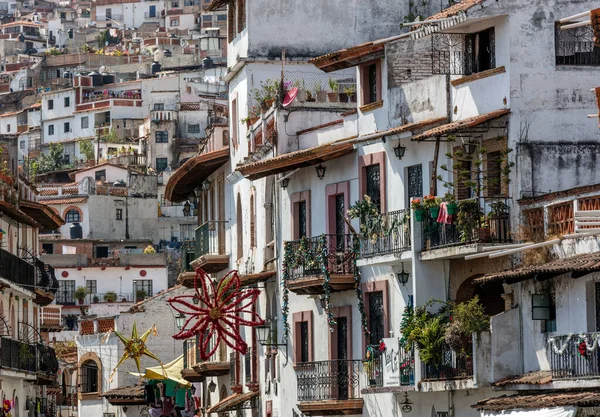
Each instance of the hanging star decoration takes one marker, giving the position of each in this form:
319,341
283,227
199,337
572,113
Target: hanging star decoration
135,347
219,312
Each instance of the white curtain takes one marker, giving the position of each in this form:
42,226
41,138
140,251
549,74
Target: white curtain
538,412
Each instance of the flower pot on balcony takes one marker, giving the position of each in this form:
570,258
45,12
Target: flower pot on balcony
333,97
80,301
301,96
419,215
434,212
321,96
343,97
451,208
269,102
484,234
352,97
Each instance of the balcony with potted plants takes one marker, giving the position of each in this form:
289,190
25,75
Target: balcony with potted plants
196,368
320,264
210,247
336,90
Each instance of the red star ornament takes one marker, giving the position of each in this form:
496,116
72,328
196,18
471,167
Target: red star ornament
219,312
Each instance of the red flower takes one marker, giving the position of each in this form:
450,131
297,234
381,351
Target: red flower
582,348
382,346
219,312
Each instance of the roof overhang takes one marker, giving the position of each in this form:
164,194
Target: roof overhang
17,215
295,160
217,4
460,126
350,57
43,214
233,402
195,170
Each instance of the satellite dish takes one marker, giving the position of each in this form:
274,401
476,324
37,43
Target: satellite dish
290,97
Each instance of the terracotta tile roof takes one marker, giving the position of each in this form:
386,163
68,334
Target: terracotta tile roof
139,306
461,6
16,214
293,160
460,125
531,378
409,127
546,399
349,57
578,265
12,113
229,403
47,218
217,4
75,200
195,170
126,392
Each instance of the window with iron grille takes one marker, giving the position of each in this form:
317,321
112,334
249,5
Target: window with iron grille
576,46
65,292
373,175
304,341
159,106
301,219
194,128
161,164
376,316
494,173
415,181
161,136
92,286
463,53
50,130
119,214
142,288
88,378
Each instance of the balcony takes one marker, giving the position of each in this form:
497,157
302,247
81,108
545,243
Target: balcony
374,372
251,368
210,247
17,356
386,234
163,116
566,361
332,91
329,387
217,365
190,358
16,270
451,366
108,103
306,274
477,221
151,17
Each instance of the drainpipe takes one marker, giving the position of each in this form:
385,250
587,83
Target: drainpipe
126,217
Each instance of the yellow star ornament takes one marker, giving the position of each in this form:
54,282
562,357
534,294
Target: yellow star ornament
135,347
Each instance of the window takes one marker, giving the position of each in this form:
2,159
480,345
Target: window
50,104
92,287
464,53
159,106
101,251
301,219
8,128
373,177
174,22
376,317
221,17
88,378
494,173
231,22
85,122
67,101
142,288
234,113
576,46
65,292
100,175
207,18
543,308
239,228
194,128
415,181
50,130
252,222
370,79
241,15
67,127
66,159
72,216
48,248
22,144
119,214
161,164
304,343
161,136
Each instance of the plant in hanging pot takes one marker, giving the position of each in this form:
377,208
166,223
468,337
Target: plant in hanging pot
333,96
80,294
417,207
432,203
450,202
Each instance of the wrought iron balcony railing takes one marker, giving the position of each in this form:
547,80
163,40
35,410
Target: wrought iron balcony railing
251,366
570,358
406,368
450,366
479,223
385,234
337,252
210,238
328,380
17,270
17,355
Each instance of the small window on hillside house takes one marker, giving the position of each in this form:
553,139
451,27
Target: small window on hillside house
85,122
370,79
8,127
194,128
67,101
161,164
50,104
72,216
88,379
161,136
100,175
159,106
119,214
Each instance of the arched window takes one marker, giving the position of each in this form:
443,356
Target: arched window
88,376
72,216
239,228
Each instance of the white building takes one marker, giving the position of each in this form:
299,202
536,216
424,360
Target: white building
130,14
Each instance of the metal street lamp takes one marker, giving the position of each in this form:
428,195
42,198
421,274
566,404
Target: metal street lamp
321,169
400,150
180,320
402,276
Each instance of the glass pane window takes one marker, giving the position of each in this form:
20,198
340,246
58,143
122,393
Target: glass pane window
376,316
72,216
64,296
161,164
142,288
161,136
372,78
415,181
302,219
373,175
91,286
304,341
88,378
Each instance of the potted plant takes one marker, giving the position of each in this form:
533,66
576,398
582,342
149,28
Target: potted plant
110,297
333,96
140,295
80,294
469,219
350,91
309,97
417,207
254,114
320,93
497,221
450,200
95,300
432,204
302,93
